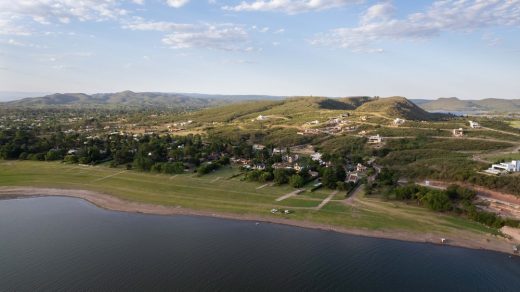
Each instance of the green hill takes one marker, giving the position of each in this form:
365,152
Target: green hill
396,107
301,109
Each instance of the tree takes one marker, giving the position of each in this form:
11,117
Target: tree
296,181
329,178
280,176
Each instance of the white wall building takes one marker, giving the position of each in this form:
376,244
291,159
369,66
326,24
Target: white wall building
474,125
513,166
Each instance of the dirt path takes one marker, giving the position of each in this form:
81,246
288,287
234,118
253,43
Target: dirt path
262,186
500,131
326,201
215,180
109,176
350,200
287,196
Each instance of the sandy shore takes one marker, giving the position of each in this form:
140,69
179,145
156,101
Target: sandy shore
464,239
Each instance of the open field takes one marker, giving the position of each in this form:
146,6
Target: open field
220,194
515,124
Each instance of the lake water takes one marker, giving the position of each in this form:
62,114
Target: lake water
68,244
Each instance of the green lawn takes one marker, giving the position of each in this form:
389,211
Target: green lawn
216,192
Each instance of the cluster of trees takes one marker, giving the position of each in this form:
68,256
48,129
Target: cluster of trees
454,199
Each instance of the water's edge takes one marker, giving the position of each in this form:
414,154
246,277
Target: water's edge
111,203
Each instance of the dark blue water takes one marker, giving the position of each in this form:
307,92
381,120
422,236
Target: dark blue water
57,244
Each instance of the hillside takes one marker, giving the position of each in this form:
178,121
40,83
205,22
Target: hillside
396,107
300,109
454,104
133,99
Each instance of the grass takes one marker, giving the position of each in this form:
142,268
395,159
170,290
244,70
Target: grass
515,124
232,196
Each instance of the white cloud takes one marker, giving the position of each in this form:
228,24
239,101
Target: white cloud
227,37
177,3
19,17
289,6
220,36
442,16
140,24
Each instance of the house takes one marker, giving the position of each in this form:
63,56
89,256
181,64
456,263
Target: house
291,158
398,121
360,167
352,177
316,156
513,166
279,151
458,132
258,147
377,139
474,125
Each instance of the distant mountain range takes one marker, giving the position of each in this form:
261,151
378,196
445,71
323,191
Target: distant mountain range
134,99
453,104
197,101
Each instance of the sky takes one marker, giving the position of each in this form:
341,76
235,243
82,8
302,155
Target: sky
418,49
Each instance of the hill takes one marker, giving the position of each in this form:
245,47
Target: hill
133,99
300,109
454,104
396,107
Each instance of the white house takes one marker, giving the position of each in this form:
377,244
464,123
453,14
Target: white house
278,151
399,121
513,166
474,125
377,139
258,147
458,132
316,156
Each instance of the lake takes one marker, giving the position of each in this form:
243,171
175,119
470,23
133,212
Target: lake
56,243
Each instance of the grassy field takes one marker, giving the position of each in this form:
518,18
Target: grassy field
217,192
515,124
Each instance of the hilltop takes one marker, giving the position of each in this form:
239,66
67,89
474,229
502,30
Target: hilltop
396,107
453,104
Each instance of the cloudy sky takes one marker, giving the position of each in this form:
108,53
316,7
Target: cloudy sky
418,49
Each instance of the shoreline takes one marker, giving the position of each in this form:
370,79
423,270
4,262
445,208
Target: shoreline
112,203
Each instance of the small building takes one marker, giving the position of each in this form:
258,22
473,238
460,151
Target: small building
279,151
258,147
458,132
316,156
377,139
352,177
398,121
474,125
261,118
361,168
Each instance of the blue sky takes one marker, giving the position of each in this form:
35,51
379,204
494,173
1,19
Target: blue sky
417,49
